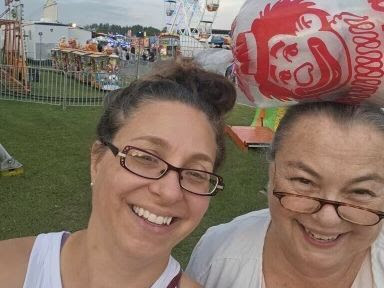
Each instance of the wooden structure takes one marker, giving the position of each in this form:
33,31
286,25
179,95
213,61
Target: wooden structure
261,131
250,136
14,73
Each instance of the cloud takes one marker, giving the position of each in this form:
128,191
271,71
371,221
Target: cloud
123,12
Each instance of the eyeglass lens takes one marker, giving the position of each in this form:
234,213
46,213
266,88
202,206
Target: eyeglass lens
351,214
150,166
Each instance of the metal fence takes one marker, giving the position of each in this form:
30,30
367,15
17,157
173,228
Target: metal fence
67,88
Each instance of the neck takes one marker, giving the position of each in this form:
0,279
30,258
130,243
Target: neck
91,261
296,273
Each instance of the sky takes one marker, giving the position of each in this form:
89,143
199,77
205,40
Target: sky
122,12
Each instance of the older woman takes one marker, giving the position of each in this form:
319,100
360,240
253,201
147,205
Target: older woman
160,142
326,200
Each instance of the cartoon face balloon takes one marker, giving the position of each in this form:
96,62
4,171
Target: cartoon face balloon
289,51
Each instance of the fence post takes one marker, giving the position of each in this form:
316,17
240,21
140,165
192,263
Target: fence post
64,100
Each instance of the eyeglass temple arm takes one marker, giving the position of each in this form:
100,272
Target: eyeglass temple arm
113,148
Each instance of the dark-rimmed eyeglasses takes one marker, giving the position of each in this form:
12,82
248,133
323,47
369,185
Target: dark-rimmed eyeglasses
147,165
310,205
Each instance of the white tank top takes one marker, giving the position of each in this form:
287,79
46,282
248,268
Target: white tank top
44,265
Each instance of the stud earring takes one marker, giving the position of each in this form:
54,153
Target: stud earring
91,184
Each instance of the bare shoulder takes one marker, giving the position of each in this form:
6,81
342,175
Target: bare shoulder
14,257
187,282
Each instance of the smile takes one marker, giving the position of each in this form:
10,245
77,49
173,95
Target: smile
151,217
320,237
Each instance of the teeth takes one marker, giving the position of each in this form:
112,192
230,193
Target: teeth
160,220
321,237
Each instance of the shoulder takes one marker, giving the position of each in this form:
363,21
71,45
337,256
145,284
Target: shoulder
187,282
14,257
241,223
230,249
228,238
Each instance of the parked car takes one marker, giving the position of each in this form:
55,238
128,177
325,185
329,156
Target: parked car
216,41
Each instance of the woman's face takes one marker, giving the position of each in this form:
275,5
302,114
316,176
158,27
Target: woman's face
182,136
320,158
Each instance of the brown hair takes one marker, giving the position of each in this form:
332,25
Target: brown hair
182,81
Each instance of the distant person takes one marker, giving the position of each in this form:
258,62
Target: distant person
152,177
323,227
133,53
99,47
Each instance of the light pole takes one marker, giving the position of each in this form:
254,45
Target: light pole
140,36
41,40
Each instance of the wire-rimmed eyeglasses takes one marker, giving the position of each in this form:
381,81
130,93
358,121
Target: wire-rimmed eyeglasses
147,165
310,205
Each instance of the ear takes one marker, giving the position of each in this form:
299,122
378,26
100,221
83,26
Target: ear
96,156
308,23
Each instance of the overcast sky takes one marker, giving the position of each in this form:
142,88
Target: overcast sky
122,12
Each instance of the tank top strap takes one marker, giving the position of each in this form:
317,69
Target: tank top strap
170,277
175,281
44,262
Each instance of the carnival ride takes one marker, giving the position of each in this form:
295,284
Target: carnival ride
13,69
86,64
191,21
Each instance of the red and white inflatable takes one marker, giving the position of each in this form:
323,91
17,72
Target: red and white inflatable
289,51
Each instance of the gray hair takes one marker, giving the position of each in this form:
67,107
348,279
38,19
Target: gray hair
343,114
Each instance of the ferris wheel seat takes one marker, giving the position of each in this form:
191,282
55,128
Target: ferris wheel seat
212,7
170,12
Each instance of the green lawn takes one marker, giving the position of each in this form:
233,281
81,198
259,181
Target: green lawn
54,194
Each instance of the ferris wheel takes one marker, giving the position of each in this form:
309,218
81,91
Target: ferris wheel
191,17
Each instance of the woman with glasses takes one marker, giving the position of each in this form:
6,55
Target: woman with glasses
153,172
323,227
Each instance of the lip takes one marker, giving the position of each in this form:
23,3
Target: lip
318,243
158,229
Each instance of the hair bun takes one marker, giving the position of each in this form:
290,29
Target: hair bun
210,87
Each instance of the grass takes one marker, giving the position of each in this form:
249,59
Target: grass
53,194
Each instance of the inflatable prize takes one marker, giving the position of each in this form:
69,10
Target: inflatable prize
290,51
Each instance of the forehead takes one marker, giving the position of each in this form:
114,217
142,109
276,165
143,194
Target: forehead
174,122
321,141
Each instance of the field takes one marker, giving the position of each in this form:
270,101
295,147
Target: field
54,194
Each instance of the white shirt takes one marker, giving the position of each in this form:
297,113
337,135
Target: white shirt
231,255
44,264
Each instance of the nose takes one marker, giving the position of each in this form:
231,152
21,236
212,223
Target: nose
167,189
327,216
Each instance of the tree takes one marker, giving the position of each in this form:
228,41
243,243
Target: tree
117,29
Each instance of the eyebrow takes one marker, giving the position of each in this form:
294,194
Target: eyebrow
300,165
369,177
275,48
165,145
154,140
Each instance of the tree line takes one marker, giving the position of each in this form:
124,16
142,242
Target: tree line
117,29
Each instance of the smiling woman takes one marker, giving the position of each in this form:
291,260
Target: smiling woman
160,141
323,227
